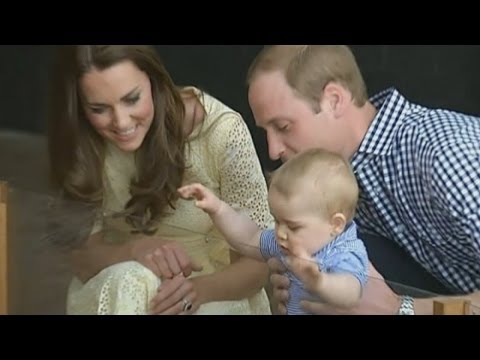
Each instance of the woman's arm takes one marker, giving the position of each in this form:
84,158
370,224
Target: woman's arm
232,283
162,257
95,255
242,279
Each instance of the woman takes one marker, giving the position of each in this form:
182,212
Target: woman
122,139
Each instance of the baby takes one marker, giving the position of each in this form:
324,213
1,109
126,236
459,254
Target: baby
312,198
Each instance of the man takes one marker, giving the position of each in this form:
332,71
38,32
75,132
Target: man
418,171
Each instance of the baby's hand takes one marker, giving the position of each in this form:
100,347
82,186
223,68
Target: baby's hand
204,198
306,270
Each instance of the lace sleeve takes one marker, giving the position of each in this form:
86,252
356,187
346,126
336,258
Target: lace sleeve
242,183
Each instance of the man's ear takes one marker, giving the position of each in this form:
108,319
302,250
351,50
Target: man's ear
337,224
334,99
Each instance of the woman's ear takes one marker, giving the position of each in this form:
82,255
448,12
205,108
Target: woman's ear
337,224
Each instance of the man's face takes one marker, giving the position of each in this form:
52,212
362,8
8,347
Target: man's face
290,121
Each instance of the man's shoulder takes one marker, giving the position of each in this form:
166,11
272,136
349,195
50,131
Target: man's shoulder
431,115
448,131
392,97
437,127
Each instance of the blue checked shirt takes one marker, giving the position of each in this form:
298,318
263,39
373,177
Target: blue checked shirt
419,175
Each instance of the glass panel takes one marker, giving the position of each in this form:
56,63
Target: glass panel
40,273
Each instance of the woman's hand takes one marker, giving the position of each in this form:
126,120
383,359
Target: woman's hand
162,257
165,259
176,296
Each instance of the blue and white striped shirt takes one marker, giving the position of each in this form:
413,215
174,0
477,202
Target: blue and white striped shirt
345,254
419,175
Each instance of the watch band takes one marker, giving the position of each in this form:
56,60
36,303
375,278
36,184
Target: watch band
406,306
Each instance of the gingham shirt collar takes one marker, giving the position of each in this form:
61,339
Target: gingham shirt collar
391,106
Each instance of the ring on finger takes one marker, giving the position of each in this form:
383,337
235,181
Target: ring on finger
187,304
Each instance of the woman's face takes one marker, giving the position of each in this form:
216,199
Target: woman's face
118,103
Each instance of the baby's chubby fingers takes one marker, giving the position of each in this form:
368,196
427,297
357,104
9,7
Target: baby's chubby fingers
191,191
204,198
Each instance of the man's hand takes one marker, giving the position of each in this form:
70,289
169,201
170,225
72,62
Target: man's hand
280,284
377,298
306,270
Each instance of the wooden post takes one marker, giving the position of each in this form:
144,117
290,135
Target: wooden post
451,307
3,249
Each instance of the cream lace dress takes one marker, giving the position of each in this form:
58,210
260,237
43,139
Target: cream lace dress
222,157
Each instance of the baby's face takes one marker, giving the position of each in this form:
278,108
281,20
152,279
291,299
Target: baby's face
300,228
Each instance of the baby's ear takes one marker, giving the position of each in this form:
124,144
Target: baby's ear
338,223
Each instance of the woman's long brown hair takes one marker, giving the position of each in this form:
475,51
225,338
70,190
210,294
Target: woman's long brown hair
77,151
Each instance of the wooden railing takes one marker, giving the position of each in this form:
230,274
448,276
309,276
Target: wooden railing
452,307
3,249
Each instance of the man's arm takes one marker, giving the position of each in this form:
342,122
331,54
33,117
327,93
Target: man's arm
455,192
341,290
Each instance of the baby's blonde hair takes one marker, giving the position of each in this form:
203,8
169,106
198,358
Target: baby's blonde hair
329,177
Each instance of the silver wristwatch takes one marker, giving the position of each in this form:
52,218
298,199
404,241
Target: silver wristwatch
406,306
